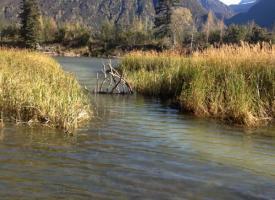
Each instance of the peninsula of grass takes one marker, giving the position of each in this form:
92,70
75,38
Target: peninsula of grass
35,90
234,84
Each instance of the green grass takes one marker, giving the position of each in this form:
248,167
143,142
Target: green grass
235,84
35,90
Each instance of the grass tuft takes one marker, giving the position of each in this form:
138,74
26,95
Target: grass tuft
35,90
233,83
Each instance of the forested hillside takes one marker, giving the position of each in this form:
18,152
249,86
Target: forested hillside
89,12
120,11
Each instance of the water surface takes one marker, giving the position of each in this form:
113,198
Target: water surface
136,148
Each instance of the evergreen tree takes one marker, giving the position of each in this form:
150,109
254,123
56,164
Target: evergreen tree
259,35
30,23
235,34
163,18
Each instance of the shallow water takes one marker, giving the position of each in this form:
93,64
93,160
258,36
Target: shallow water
136,148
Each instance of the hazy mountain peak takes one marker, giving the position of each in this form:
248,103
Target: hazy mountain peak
243,6
262,13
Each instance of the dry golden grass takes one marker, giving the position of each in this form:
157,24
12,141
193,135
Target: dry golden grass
35,90
233,83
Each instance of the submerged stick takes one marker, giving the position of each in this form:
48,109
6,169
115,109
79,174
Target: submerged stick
97,82
115,81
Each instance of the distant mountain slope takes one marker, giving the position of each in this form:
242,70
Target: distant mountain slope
243,6
262,13
194,5
6,9
93,12
220,9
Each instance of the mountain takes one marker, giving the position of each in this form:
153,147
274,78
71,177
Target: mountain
220,9
243,6
196,8
262,13
93,12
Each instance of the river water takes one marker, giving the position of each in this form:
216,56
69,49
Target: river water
136,148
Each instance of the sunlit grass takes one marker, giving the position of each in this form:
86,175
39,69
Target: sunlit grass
35,90
235,84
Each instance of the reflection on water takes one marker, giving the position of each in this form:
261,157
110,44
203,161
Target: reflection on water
136,148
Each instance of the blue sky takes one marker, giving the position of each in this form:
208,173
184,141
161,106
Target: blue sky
230,1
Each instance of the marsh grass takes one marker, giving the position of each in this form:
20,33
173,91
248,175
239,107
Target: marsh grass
35,90
236,84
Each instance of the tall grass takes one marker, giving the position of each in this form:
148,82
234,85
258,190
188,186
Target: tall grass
233,83
35,90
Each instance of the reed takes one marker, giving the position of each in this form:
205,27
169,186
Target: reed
35,90
233,83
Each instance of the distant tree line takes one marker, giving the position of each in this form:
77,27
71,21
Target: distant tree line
35,29
177,26
174,27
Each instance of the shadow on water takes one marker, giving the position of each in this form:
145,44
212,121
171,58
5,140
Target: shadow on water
135,148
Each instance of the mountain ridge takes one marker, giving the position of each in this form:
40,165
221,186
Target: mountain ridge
262,13
243,6
118,10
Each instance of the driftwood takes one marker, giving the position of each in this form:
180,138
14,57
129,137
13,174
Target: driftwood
110,81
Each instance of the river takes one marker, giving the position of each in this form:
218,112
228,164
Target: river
136,148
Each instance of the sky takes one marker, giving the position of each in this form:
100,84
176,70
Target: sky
228,2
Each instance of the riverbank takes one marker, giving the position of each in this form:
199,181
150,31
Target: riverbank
57,49
234,84
35,90
61,51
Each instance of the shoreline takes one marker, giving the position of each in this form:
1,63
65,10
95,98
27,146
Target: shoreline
212,84
74,55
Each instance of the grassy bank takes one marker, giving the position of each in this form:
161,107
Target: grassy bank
35,90
236,84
